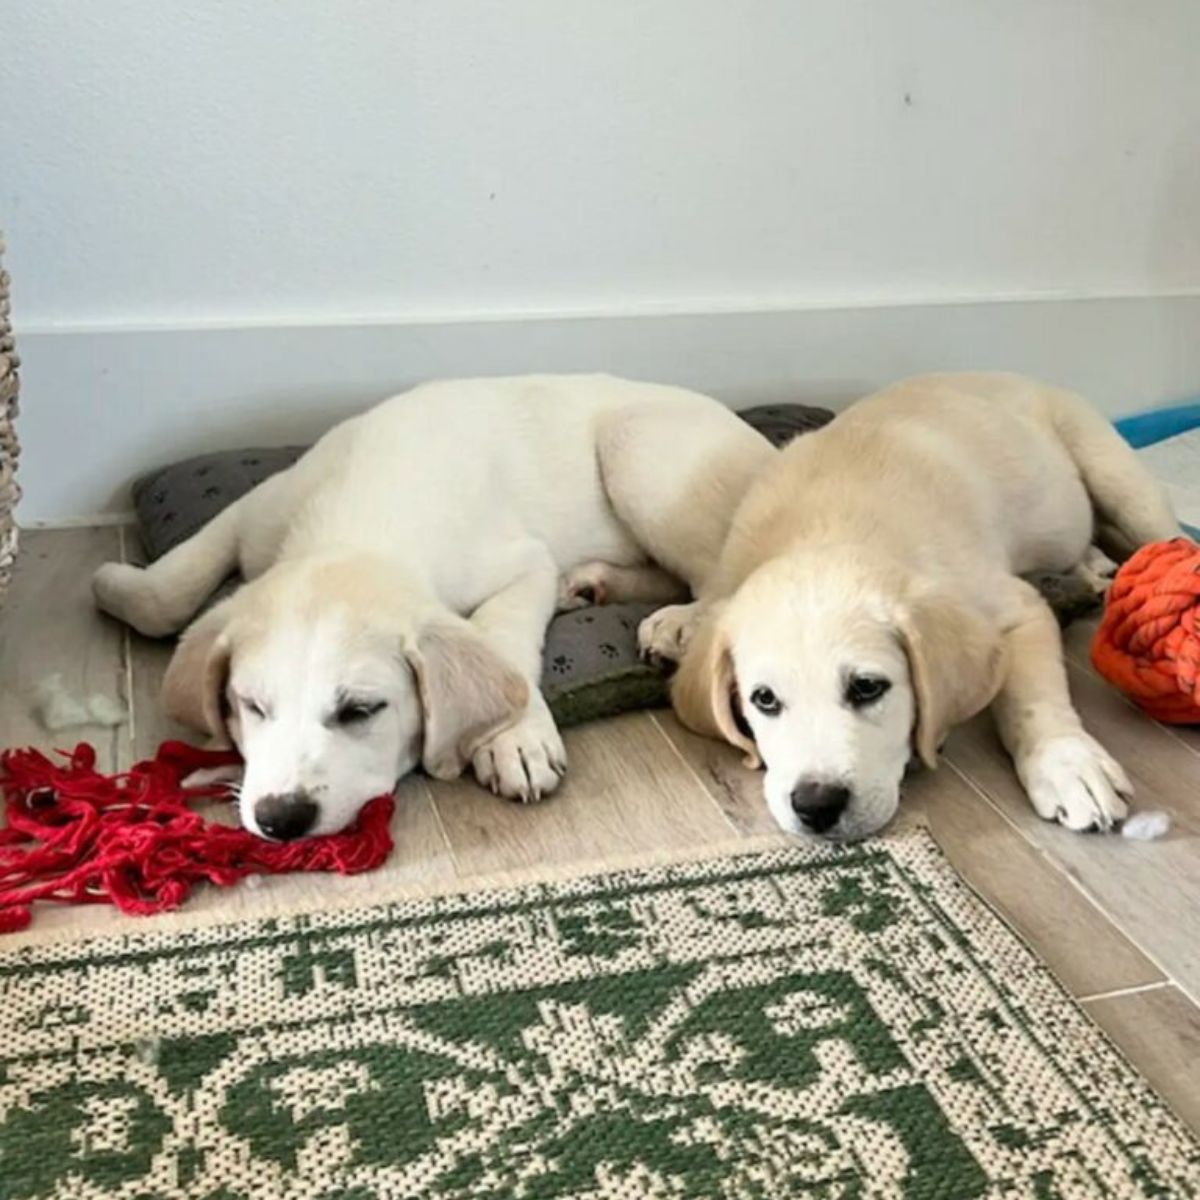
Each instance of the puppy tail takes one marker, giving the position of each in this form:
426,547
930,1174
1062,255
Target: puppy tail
1131,506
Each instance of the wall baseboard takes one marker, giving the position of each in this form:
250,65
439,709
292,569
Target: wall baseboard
100,520
101,406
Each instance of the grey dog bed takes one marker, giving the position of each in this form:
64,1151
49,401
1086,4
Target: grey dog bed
590,666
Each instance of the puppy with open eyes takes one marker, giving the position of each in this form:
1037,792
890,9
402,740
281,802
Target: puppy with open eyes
868,599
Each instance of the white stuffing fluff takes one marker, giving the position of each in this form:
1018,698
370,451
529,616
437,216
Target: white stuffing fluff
56,708
1146,826
107,711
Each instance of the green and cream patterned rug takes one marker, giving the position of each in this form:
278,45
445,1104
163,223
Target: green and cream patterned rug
792,1023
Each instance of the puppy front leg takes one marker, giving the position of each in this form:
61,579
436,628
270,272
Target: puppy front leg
1069,777
664,636
526,761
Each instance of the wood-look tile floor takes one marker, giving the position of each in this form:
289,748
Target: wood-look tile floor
1117,921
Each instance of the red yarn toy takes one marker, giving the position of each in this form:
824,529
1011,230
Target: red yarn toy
1148,643
75,836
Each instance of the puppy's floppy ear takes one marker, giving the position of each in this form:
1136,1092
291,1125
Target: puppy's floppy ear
193,688
468,693
704,690
957,661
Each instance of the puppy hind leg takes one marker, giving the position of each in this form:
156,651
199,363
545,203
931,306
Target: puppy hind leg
675,475
162,598
1132,508
1069,777
605,583
1097,570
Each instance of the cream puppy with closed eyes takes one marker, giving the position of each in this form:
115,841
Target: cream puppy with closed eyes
399,578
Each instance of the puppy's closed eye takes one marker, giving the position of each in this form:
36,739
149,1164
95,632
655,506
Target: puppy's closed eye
357,712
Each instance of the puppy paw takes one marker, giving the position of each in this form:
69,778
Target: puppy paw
664,635
1097,570
126,592
1073,780
207,777
115,586
523,763
582,586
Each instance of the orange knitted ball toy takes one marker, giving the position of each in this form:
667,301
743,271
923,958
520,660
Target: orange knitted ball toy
1148,643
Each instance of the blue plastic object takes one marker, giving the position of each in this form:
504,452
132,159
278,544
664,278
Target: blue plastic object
1144,429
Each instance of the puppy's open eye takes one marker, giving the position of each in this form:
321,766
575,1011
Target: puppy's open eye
862,690
766,702
358,712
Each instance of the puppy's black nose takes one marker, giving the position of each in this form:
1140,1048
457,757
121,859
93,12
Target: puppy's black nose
819,804
285,818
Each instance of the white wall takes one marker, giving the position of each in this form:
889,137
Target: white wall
268,163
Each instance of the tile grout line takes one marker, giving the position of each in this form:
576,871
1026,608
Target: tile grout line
1143,950
441,824
1074,882
1087,670
1170,732
1136,990
999,810
696,776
